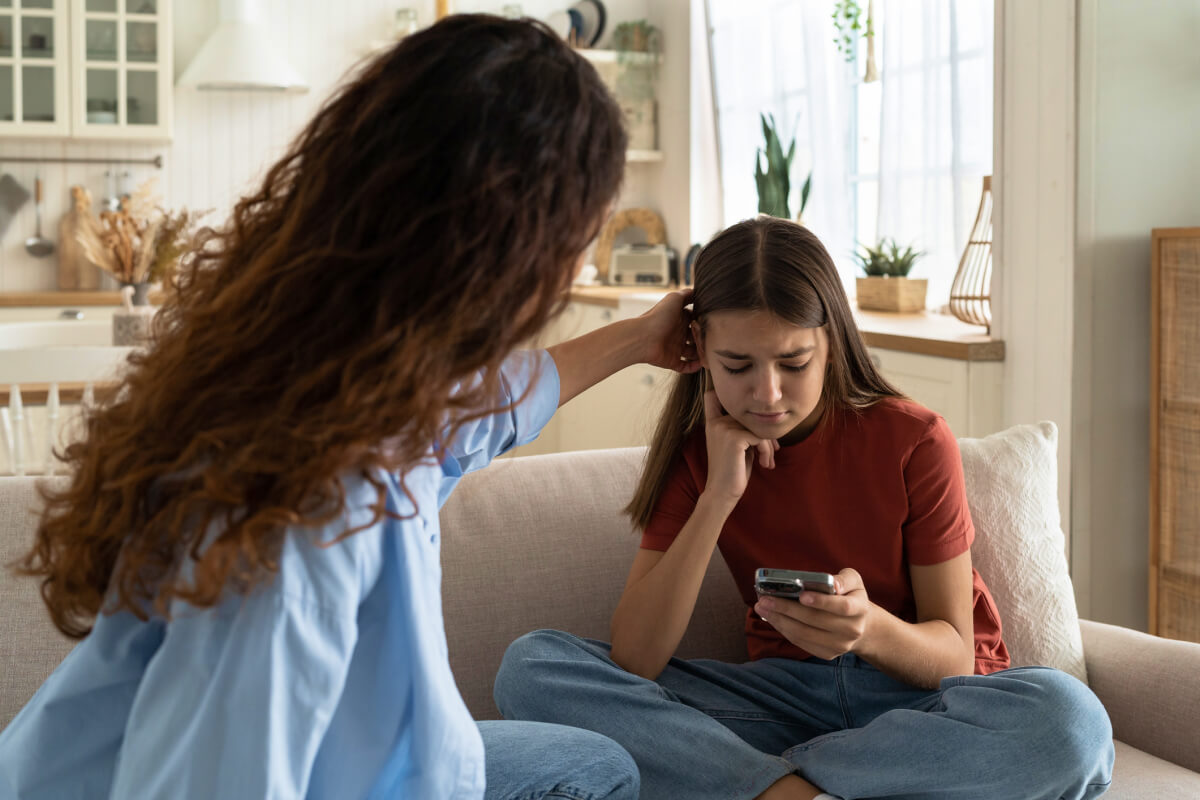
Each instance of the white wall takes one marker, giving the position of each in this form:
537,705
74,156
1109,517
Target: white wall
224,141
1139,168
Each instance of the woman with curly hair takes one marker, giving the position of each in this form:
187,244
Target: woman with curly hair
248,543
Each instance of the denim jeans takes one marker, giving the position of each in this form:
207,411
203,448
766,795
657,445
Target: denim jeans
533,760
708,729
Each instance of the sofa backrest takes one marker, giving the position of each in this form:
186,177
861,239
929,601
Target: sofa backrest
540,542
30,646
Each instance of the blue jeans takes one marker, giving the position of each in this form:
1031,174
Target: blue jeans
533,760
707,729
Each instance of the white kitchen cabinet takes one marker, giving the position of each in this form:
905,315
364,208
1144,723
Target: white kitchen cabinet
620,411
86,69
122,69
967,393
35,44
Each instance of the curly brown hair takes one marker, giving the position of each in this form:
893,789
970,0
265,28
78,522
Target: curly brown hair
422,226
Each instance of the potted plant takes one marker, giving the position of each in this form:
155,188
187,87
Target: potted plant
887,286
774,182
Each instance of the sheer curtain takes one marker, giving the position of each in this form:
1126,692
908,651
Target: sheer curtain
778,57
901,159
935,138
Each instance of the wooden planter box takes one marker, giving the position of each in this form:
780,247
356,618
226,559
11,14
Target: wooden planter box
892,294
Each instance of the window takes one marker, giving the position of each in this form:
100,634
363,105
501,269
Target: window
902,157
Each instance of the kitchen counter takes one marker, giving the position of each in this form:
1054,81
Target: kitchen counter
924,333
65,298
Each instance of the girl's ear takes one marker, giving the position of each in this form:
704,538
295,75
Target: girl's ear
698,338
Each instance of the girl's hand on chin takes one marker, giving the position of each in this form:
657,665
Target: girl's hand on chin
667,336
826,626
731,451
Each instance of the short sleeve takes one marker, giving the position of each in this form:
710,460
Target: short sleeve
938,526
674,507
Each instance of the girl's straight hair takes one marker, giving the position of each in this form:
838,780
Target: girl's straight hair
763,264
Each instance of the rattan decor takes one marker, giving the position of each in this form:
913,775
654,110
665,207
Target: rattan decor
970,294
1175,433
644,218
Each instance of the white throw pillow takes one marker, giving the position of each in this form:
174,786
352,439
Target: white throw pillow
1020,550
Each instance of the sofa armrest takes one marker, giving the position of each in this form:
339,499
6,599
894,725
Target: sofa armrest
1150,687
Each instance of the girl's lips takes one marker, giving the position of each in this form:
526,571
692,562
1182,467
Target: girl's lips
776,417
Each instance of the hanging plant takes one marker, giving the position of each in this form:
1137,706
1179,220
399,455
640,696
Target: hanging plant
849,23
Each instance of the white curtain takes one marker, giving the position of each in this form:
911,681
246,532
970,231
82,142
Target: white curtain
778,57
902,159
935,140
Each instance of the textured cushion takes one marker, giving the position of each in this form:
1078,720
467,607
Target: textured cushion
1137,775
540,542
1020,550
30,646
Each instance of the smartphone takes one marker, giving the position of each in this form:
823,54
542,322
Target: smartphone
789,583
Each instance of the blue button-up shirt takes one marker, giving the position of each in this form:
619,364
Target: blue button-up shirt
331,681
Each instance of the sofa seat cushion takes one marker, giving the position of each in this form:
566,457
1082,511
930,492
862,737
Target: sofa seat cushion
1138,775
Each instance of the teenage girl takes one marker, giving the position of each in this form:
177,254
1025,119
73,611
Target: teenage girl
791,451
248,542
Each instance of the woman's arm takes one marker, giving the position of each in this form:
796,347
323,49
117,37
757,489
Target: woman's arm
658,337
940,644
660,593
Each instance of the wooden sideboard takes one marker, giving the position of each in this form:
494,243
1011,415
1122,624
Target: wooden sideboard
1175,434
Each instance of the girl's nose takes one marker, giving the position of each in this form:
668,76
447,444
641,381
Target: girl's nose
766,388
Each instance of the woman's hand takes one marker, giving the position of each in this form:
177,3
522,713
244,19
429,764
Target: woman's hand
731,451
667,337
824,625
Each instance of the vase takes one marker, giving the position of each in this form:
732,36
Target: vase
141,292
892,294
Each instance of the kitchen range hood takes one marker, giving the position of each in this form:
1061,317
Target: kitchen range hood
240,56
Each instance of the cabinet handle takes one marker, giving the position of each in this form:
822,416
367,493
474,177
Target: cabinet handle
606,315
647,380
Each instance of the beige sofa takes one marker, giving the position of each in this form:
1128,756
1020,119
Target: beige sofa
539,543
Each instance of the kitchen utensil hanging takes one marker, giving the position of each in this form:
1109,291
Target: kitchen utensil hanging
37,245
12,196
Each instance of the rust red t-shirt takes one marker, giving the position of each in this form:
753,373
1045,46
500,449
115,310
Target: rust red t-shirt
874,490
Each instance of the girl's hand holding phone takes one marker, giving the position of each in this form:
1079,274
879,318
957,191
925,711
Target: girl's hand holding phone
826,626
731,451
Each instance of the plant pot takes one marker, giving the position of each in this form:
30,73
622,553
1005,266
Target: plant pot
892,294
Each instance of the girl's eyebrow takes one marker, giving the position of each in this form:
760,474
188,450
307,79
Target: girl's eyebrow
782,356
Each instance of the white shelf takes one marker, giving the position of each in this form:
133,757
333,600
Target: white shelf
618,56
643,156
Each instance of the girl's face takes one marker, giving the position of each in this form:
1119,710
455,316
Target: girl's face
768,374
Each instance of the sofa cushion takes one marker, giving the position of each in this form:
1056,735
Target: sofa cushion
30,646
540,542
1019,549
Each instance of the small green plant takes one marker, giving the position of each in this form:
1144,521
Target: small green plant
773,182
886,260
804,190
849,24
638,36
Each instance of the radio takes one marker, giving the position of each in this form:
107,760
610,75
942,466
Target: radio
640,265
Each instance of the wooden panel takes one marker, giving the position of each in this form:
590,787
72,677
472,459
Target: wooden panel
1175,434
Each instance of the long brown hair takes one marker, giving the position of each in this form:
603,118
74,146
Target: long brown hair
421,226
763,264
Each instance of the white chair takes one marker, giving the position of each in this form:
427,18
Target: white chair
50,359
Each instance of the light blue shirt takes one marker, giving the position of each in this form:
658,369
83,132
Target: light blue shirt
332,681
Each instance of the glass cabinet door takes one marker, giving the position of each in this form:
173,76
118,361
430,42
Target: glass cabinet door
125,71
34,72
